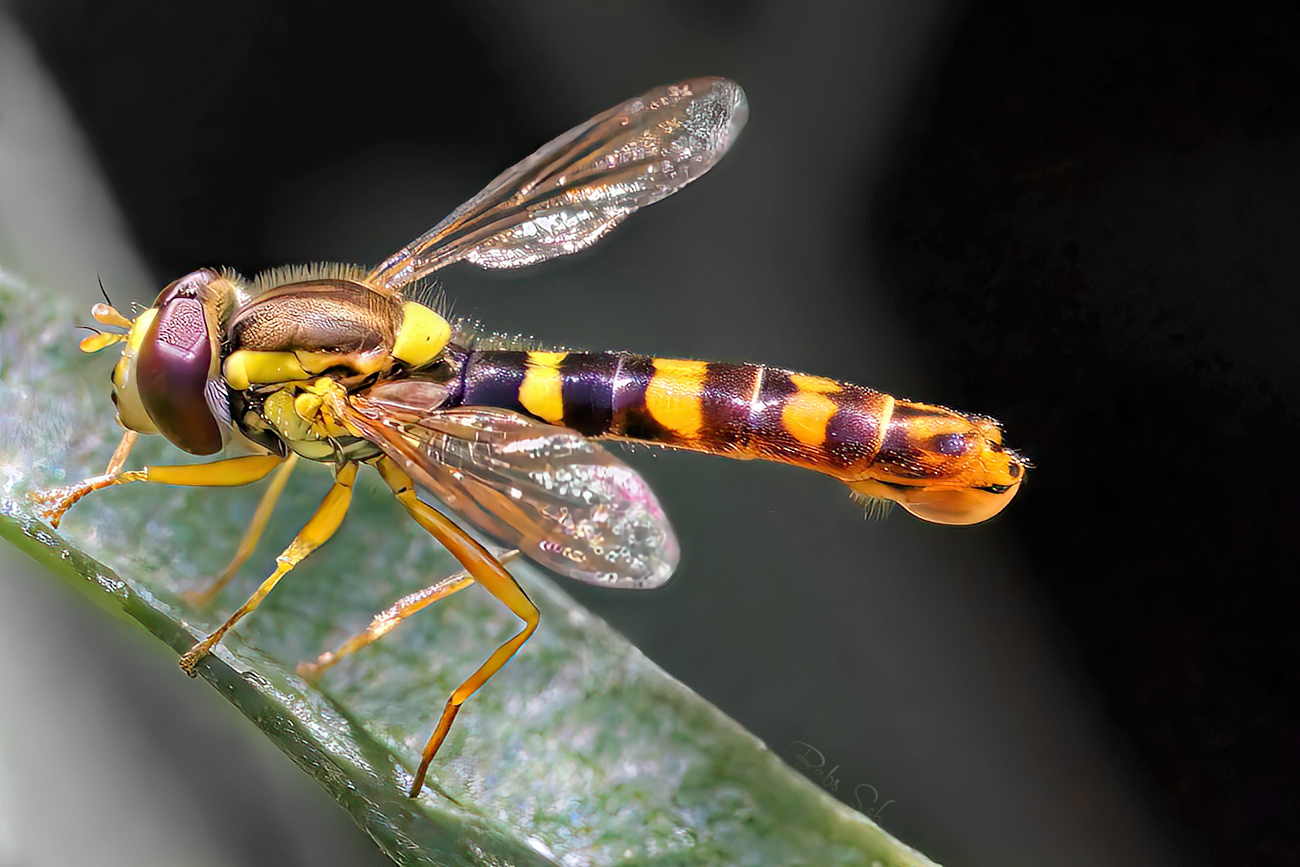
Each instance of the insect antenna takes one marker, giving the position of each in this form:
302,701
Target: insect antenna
104,314
103,291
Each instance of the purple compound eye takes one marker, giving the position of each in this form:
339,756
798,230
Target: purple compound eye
174,364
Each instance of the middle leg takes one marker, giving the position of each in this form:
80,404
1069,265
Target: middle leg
486,570
261,517
387,620
315,533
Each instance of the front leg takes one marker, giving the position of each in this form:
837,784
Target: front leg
261,517
230,472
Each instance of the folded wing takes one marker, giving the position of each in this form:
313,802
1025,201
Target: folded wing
560,498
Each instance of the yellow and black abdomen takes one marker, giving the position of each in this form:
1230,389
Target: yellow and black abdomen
941,465
738,410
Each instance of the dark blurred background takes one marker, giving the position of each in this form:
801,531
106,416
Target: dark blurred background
1078,218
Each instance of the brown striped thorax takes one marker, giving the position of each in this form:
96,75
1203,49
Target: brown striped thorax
349,366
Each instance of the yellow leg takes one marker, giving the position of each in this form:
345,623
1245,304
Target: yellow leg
388,619
315,532
226,473
486,570
252,535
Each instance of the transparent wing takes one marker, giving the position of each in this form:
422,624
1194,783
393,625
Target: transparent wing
576,188
561,499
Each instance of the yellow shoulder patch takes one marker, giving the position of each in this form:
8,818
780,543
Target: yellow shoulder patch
421,336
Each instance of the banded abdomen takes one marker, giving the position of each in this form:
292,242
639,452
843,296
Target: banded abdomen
942,465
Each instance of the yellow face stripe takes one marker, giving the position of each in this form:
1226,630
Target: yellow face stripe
674,393
138,330
130,409
540,392
806,414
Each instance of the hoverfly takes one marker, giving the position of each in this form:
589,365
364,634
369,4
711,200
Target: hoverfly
346,367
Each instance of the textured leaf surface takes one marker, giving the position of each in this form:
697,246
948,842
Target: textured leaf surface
580,752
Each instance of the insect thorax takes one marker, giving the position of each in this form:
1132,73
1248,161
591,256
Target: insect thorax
297,328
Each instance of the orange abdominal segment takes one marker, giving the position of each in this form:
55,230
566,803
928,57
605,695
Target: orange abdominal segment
941,465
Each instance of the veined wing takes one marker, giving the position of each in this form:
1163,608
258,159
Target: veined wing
579,186
560,498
